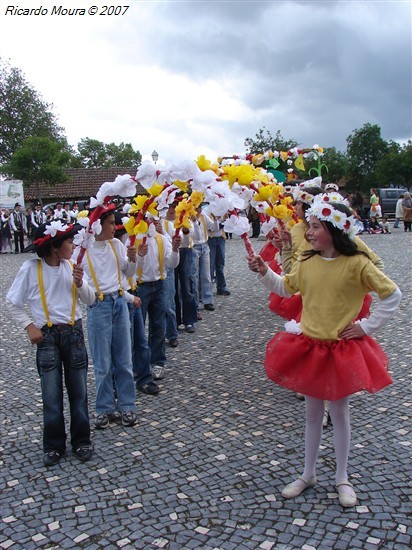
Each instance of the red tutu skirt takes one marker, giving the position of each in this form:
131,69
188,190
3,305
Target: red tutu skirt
326,369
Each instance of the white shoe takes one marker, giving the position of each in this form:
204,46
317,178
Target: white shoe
347,496
297,487
158,372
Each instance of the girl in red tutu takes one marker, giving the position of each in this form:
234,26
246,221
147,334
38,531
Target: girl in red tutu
329,357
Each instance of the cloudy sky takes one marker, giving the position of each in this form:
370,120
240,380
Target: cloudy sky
193,77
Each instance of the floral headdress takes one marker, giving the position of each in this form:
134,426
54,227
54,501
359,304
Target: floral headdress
51,232
324,209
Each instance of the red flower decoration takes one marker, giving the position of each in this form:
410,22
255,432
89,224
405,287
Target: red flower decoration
326,211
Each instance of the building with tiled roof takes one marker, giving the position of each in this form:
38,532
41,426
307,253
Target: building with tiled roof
83,183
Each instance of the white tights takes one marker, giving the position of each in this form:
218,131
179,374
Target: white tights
339,413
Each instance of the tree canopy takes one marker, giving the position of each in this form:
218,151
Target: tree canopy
23,113
93,153
369,160
365,147
265,141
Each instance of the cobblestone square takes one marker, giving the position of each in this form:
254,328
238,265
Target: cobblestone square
205,465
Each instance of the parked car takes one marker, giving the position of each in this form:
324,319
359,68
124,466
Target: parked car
388,198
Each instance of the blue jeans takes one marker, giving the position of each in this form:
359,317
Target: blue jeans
217,247
186,310
108,326
202,277
152,295
63,354
171,325
140,347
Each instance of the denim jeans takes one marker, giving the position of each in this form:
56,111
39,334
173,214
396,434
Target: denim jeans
186,311
170,290
140,347
108,326
152,295
217,246
202,280
63,354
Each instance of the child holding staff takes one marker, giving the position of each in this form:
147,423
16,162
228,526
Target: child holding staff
50,286
333,356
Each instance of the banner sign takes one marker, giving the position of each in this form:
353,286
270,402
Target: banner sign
11,191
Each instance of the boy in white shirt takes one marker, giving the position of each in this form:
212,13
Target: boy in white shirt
50,286
156,255
108,324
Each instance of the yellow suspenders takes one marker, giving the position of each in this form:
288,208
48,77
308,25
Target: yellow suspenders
161,256
93,273
43,295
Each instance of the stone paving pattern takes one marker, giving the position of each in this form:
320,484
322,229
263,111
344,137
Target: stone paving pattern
206,463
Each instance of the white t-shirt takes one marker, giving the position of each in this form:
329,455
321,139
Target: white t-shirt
58,284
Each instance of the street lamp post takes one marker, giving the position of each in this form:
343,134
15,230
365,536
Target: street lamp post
155,156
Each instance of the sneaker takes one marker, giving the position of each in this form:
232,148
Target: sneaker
174,343
199,316
223,292
129,418
210,307
190,329
158,372
181,327
102,421
52,457
150,388
84,453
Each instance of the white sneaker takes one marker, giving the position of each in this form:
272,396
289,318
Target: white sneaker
158,372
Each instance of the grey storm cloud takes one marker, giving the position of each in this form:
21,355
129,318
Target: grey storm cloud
338,63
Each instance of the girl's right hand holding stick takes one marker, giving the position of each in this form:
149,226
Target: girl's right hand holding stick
257,265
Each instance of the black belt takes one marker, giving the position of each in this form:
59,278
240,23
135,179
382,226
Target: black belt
64,326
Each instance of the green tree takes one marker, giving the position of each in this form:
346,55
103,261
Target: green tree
23,112
337,164
265,141
395,168
39,159
365,147
93,153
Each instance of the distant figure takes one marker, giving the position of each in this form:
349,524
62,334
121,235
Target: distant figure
398,212
375,207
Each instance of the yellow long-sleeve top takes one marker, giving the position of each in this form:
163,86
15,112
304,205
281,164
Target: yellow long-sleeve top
333,290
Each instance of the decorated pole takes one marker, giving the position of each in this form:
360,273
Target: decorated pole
94,217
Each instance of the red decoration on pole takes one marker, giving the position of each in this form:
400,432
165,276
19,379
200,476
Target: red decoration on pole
248,244
94,216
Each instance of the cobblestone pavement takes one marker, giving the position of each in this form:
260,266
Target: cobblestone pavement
206,463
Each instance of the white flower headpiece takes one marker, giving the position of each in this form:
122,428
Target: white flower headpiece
323,209
54,227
